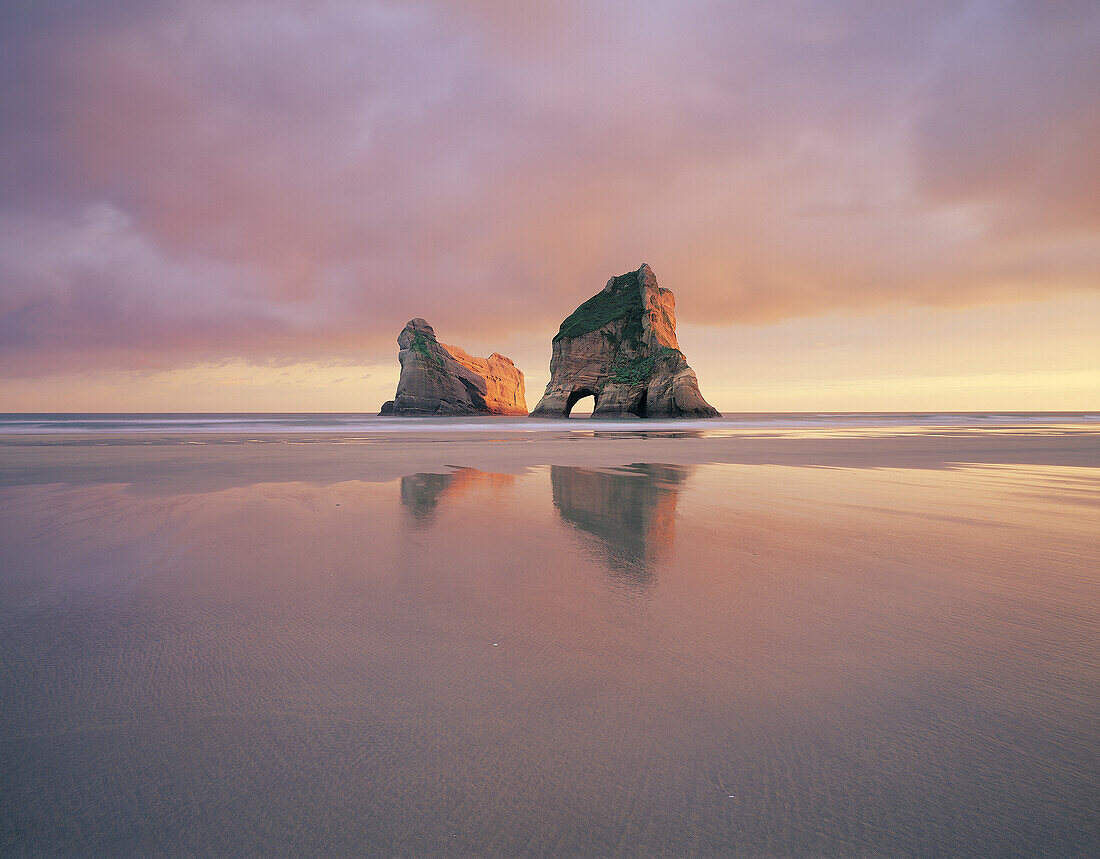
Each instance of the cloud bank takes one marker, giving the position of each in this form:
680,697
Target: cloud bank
292,181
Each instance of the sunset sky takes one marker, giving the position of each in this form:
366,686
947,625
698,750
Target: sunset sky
859,205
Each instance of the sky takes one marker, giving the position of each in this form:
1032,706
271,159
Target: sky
210,206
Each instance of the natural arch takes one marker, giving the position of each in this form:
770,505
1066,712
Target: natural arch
577,396
620,342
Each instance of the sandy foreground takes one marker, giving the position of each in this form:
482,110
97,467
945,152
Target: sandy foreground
551,642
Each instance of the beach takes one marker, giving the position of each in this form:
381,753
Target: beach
782,635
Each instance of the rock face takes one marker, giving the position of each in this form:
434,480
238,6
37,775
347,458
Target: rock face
620,348
443,380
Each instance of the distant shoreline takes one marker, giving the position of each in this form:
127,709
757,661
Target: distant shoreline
14,424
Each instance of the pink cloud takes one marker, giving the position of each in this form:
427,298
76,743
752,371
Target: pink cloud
203,181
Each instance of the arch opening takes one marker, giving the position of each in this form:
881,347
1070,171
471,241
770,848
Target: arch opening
638,407
587,400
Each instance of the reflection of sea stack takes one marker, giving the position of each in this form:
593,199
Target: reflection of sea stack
421,493
620,348
631,512
444,380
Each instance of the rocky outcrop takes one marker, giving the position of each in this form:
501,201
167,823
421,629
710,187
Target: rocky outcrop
437,379
620,348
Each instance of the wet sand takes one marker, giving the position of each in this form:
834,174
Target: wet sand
198,461
842,642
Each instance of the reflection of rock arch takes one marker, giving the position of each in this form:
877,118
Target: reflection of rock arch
630,511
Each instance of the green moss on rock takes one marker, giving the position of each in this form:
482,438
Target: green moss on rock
420,345
622,300
627,372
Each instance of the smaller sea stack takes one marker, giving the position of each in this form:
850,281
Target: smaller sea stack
437,379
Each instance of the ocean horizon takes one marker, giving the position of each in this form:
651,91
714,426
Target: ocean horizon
14,423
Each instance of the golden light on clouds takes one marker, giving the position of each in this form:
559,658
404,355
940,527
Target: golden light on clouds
230,387
187,188
999,358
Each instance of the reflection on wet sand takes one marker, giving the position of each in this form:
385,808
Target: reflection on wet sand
422,492
830,661
634,434
630,511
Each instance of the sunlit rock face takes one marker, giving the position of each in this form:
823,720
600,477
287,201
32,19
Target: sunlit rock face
443,380
620,348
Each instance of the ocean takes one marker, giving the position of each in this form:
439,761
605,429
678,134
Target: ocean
195,422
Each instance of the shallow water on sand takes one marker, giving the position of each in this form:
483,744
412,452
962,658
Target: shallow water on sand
656,658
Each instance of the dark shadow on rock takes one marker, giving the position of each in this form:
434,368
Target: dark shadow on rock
631,513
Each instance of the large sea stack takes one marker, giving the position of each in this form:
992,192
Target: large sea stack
620,348
443,380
